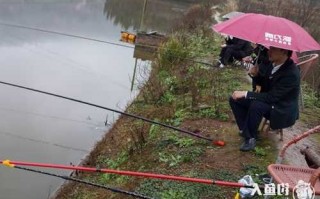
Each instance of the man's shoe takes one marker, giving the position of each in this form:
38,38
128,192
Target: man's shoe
221,66
248,145
218,63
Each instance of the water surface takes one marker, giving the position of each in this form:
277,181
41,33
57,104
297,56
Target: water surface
42,128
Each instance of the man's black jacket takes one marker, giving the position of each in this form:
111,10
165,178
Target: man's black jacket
282,93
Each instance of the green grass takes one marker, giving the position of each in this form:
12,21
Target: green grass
79,193
106,178
179,190
173,150
310,114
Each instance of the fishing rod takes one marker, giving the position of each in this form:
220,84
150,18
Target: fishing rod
64,34
13,164
92,39
134,194
216,142
70,35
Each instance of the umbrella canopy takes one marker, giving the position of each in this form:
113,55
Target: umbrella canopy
269,31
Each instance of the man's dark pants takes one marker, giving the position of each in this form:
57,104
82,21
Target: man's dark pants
248,114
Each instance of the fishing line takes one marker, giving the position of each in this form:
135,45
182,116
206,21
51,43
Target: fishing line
48,116
42,142
116,111
66,60
52,53
134,194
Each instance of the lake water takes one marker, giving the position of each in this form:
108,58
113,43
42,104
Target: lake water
41,128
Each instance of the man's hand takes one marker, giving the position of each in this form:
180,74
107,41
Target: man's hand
254,70
239,94
258,89
247,59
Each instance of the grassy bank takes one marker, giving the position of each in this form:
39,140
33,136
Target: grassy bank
188,95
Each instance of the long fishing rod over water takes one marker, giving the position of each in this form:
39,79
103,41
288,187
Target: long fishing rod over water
13,164
219,143
116,190
93,39
63,34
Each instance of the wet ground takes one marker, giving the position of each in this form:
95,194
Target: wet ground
293,155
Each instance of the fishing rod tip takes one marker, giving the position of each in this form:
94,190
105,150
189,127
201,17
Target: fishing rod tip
219,143
7,163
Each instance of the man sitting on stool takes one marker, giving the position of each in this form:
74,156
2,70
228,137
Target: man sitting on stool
234,49
278,102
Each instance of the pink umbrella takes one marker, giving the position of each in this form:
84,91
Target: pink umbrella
269,31
295,58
